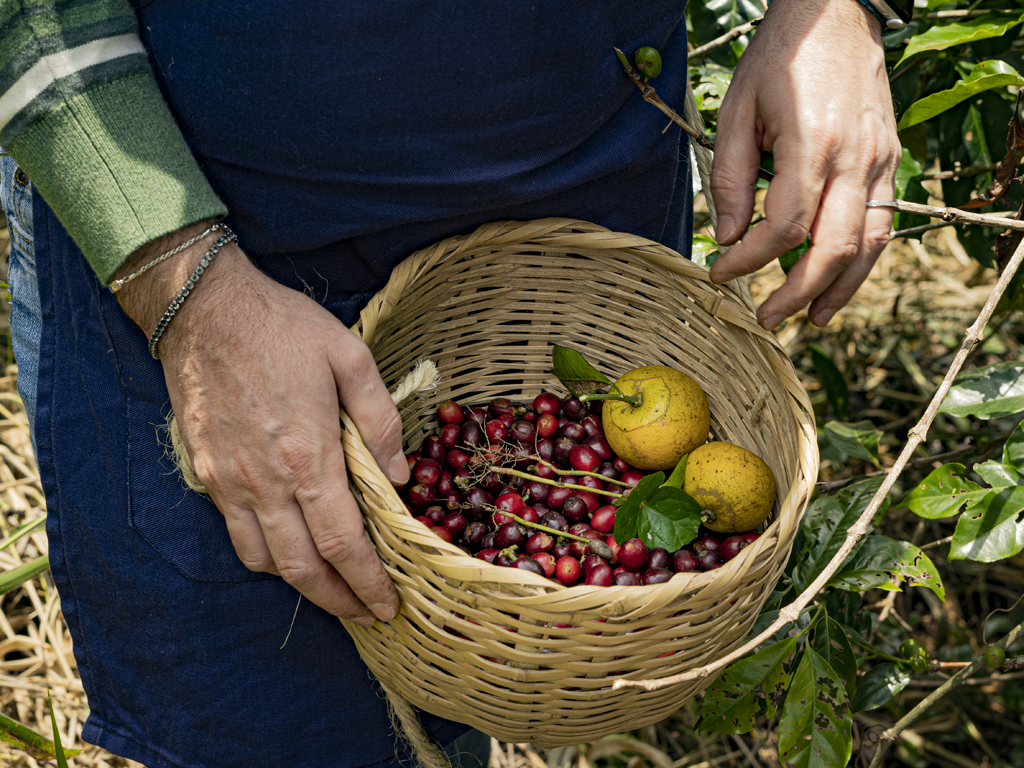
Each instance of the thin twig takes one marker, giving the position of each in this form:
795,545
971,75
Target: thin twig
889,736
921,229
858,530
951,215
702,51
938,543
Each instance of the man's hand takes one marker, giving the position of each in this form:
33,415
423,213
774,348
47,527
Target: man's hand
812,89
256,372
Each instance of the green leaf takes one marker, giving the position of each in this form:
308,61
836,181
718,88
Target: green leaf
859,440
1013,451
983,77
959,32
627,516
943,493
832,644
833,381
24,530
991,529
58,747
998,475
669,519
881,563
18,576
572,369
825,525
678,476
705,251
908,187
816,728
789,259
36,746
880,685
749,689
992,392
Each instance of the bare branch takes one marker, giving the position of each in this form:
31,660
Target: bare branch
858,530
702,51
951,215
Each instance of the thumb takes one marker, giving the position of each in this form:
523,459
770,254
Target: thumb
365,398
734,170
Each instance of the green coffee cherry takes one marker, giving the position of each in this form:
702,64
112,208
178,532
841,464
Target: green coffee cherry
919,664
911,649
995,657
648,62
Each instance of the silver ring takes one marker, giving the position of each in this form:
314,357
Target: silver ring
882,204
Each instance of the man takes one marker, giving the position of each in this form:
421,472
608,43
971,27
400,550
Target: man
339,139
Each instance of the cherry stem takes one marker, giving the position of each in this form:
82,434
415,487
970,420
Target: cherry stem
636,401
527,476
597,546
578,472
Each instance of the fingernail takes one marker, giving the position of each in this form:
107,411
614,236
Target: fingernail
723,277
364,621
398,469
383,611
824,316
725,228
772,322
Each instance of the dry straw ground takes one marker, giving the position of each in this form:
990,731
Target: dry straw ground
916,303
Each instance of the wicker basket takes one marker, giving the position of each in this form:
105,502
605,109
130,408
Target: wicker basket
476,642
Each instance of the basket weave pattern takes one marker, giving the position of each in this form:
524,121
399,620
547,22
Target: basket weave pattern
478,643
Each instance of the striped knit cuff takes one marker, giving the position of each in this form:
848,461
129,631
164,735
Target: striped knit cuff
114,167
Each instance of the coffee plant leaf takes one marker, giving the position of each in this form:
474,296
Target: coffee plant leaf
944,493
908,187
572,369
991,392
880,685
998,475
670,519
749,689
1013,450
858,441
939,38
824,528
882,563
678,476
990,529
832,644
705,251
789,259
627,516
983,77
765,620
833,381
816,728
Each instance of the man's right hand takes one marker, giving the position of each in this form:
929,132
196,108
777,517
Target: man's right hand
256,372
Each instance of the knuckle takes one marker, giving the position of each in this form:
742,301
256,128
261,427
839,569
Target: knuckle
791,233
299,573
296,456
875,239
339,547
844,251
257,562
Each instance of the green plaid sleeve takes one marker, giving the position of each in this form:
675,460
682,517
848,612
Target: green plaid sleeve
81,113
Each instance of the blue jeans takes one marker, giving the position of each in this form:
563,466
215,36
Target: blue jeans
26,315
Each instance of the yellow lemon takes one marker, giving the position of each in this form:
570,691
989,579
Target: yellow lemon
672,418
734,485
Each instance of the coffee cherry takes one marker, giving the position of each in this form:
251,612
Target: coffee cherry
604,519
563,449
582,458
457,458
426,472
449,412
557,496
707,543
527,563
478,415
600,575
648,62
995,657
547,562
547,403
608,470
436,514
573,431
524,432
555,520
421,496
475,532
591,482
574,408
600,446
455,523
445,484
505,557
471,434
488,541
589,499
658,558
442,533
450,435
509,535
655,576
621,465
529,514
434,448
567,570
910,648
546,450
731,547
539,542
592,426
536,492
632,477
708,560
613,545
487,554
633,554
496,431
547,425
588,562
626,579
425,520
920,664
510,502
563,548
751,536
684,562
580,549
